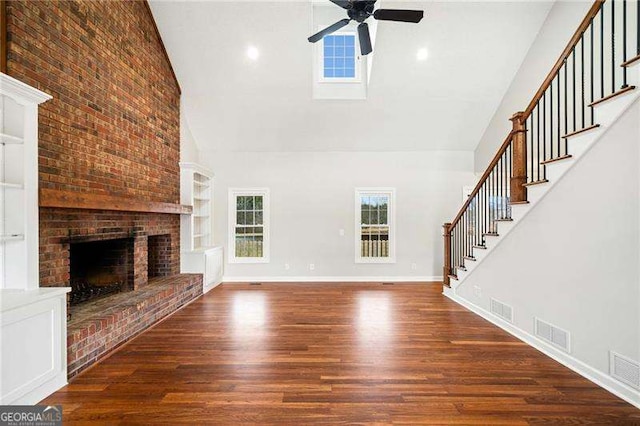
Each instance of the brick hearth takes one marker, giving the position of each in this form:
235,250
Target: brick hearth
98,327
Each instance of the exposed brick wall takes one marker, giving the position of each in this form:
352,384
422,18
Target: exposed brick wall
112,126
59,226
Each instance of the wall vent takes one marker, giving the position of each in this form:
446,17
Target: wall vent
624,369
502,310
555,335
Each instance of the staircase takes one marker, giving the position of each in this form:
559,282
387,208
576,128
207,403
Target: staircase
591,85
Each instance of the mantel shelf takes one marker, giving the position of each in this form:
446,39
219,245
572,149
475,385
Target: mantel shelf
90,201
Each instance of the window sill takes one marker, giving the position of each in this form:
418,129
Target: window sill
249,260
375,260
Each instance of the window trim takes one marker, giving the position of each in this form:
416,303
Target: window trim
320,60
391,218
233,194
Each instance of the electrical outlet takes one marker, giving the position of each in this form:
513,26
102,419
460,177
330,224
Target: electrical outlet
414,266
286,267
312,266
477,291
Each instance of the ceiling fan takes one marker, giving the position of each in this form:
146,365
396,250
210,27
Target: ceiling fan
360,11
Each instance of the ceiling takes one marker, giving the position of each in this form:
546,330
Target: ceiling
443,103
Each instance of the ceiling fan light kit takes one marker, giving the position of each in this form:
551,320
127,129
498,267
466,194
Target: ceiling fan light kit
360,11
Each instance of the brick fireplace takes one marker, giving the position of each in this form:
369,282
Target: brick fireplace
109,148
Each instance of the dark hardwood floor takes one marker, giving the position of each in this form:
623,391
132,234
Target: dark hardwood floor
333,354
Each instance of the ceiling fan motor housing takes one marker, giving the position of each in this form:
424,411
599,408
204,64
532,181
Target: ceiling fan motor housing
361,10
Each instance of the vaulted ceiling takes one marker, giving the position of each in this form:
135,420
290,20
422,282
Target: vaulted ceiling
233,103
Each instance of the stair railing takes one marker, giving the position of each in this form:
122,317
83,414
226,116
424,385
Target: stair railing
590,70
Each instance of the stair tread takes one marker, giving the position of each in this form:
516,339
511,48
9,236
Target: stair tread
471,258
506,219
491,234
613,95
554,160
579,131
631,61
480,247
536,182
518,202
453,277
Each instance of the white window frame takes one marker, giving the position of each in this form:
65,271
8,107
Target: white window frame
233,194
358,60
391,218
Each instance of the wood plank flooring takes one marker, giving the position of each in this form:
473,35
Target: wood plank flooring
333,354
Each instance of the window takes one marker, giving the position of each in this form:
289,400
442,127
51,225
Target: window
375,239
339,56
249,225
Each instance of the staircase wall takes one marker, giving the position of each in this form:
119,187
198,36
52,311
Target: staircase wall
574,260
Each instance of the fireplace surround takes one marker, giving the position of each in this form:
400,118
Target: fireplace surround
138,251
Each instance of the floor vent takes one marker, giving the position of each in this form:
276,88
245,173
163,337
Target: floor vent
624,369
388,283
552,334
255,283
502,310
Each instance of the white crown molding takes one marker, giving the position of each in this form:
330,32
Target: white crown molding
21,92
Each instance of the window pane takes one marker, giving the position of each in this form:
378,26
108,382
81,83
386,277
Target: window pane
258,218
328,40
374,241
349,40
365,220
258,202
249,218
373,217
240,218
249,242
383,217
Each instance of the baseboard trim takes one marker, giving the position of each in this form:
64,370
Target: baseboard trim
331,279
599,378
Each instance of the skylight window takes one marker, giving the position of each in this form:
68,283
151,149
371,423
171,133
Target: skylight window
339,59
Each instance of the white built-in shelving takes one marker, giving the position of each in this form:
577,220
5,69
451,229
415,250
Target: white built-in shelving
198,253
32,319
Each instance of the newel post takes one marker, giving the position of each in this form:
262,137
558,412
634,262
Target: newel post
519,160
446,270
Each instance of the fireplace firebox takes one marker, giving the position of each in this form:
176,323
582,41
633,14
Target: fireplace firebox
100,268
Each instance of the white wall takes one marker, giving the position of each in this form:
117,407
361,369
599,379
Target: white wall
312,198
188,147
562,21
574,260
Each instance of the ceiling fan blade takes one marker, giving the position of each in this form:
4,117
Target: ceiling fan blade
330,29
399,15
345,4
365,39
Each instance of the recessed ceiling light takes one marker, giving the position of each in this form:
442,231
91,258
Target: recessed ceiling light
422,54
253,53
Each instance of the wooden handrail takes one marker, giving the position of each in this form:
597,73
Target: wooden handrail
484,177
595,8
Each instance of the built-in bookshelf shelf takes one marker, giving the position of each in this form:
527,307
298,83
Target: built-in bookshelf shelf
6,139
11,185
12,237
